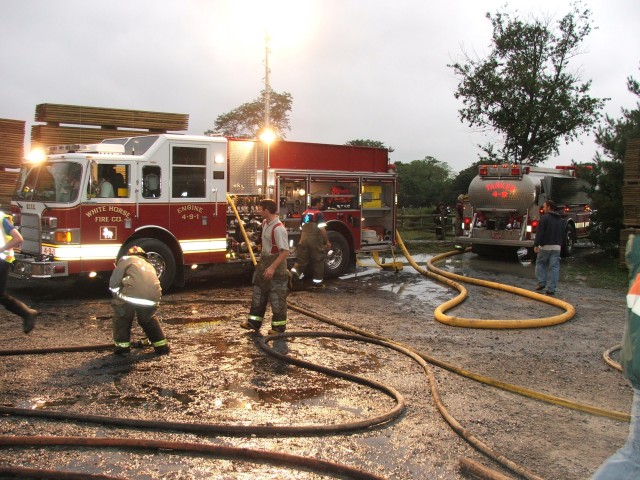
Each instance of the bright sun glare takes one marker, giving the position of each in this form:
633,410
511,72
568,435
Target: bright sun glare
287,22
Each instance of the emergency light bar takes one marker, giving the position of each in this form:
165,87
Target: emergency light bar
504,170
86,148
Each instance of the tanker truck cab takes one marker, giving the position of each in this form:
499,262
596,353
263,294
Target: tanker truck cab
505,206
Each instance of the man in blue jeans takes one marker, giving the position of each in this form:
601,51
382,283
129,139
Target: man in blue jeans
547,245
625,463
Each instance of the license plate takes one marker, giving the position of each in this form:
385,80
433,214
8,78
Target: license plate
496,235
48,251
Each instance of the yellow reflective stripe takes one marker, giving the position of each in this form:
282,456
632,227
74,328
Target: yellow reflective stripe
160,343
138,301
204,245
255,318
123,344
279,323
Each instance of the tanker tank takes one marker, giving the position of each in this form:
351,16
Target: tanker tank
502,194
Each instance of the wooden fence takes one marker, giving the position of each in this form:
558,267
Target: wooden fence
426,222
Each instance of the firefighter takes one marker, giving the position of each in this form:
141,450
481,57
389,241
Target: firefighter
459,215
314,243
625,463
11,238
440,220
271,277
136,292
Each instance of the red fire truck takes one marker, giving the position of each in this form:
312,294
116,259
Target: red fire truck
85,205
505,204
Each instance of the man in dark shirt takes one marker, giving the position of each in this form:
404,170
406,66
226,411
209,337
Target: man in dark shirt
547,245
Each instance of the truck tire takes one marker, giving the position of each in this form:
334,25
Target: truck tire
338,261
161,257
569,242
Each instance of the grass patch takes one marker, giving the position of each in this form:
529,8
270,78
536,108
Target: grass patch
596,269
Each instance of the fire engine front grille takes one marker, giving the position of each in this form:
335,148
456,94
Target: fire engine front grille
30,231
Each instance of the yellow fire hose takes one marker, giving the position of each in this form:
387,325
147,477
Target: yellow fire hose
241,225
463,294
449,279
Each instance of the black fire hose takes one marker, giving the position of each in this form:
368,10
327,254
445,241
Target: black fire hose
243,430
47,474
236,453
42,351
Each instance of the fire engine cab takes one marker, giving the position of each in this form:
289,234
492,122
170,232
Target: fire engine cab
505,204
85,205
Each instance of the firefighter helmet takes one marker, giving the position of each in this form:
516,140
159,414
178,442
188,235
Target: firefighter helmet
136,250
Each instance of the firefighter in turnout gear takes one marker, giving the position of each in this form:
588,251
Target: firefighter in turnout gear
314,243
136,292
271,277
11,238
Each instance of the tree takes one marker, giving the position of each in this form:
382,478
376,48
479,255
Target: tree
460,183
368,143
248,119
608,174
422,183
524,89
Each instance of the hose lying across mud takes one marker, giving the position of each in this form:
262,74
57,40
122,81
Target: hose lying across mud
450,280
269,430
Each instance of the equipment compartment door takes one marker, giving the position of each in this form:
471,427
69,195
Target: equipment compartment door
198,201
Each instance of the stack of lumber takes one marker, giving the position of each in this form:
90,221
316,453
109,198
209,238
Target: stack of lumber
630,194
11,155
106,123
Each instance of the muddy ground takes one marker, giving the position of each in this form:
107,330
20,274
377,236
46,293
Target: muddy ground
217,374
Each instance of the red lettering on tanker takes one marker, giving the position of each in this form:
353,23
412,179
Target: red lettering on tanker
500,189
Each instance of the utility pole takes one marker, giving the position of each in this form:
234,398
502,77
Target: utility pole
267,85
267,134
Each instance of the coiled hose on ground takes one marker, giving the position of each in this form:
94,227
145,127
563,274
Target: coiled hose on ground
449,279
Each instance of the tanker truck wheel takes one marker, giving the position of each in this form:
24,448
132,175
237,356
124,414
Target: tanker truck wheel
337,262
569,242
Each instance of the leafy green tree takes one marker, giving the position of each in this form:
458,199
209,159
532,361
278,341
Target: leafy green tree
460,183
608,172
248,119
524,89
422,183
368,143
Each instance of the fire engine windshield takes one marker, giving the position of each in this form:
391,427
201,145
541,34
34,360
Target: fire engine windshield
49,182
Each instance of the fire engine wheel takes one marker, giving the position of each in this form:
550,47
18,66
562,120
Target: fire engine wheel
338,261
162,259
569,242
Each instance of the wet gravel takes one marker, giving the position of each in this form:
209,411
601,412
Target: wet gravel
217,374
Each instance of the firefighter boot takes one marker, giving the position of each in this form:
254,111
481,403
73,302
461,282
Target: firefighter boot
162,349
16,307
251,325
29,320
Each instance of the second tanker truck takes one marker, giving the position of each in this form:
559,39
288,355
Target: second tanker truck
505,205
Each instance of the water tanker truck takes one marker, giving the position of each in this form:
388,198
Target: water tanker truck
505,205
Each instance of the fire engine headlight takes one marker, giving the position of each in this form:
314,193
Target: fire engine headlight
49,222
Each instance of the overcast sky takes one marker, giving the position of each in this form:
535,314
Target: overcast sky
355,68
